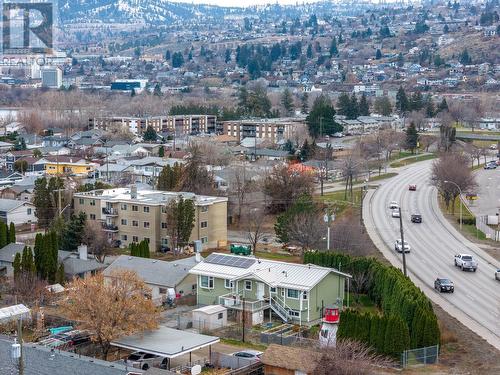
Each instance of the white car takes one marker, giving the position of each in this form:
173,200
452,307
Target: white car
399,248
146,360
497,274
393,205
395,213
250,354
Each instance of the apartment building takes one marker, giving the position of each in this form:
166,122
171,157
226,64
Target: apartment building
175,125
272,130
131,215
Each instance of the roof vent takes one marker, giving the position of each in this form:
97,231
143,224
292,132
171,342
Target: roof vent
130,258
154,261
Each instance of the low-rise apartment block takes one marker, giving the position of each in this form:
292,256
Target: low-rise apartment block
130,215
272,130
175,125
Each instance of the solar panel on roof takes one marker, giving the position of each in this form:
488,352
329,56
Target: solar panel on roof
228,260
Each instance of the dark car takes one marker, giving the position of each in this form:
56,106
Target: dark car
412,187
416,218
444,285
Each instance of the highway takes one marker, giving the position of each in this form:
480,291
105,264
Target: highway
476,301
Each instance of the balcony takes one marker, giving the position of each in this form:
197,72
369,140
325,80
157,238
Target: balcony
109,211
109,227
235,301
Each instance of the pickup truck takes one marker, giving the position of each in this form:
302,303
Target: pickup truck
465,262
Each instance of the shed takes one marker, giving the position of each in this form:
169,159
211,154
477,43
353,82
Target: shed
288,360
209,317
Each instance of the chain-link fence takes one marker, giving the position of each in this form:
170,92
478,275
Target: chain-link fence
420,356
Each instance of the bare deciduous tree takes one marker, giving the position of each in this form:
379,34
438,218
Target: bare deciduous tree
253,221
351,168
426,141
96,240
306,229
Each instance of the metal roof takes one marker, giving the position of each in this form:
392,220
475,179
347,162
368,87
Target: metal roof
15,312
166,342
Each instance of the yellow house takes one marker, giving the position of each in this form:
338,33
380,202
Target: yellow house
68,165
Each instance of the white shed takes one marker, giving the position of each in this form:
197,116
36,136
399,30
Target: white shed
209,317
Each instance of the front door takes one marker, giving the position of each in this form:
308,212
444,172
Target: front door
260,291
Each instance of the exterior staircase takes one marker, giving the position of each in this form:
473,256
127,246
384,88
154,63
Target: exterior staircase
277,306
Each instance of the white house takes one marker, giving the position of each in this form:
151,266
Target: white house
17,212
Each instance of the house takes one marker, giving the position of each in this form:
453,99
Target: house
12,156
68,165
7,254
8,178
289,360
18,192
131,215
159,275
17,212
54,141
209,317
293,292
79,264
5,146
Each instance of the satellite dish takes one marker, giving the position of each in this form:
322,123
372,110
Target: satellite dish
195,370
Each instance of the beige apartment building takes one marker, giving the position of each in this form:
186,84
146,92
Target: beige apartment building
272,130
131,215
175,125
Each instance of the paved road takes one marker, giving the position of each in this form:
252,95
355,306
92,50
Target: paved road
488,202
476,301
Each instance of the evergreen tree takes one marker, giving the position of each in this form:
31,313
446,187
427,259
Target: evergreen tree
287,101
333,48
402,103
4,240
157,90
353,109
430,108
12,233
145,249
364,106
170,177
16,265
60,278
341,39
320,120
304,103
309,52
161,151
378,54
73,233
431,334
149,134
443,106
343,104
132,93
411,138
227,56
383,106
38,253
416,101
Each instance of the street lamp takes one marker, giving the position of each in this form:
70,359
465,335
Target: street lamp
460,197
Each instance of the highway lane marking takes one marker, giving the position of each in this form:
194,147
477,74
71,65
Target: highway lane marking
470,297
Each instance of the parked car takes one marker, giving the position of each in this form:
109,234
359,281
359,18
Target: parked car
444,285
250,354
146,360
497,274
412,187
399,248
493,146
490,166
465,262
393,205
416,218
395,213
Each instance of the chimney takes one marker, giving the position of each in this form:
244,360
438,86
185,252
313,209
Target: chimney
133,192
197,257
82,252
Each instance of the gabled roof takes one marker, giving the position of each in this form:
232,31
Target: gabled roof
275,273
9,251
7,205
152,271
73,265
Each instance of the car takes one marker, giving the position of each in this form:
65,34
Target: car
250,354
412,187
493,146
399,248
490,166
497,274
393,205
395,213
444,285
465,262
146,360
416,218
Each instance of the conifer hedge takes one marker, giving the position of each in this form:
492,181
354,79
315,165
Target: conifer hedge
408,321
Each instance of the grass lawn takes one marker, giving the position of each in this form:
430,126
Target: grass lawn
383,176
338,199
412,160
466,214
362,303
277,256
247,345
400,155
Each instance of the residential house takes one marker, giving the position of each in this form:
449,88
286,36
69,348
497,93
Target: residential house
5,146
84,143
55,141
12,156
18,192
7,254
79,264
289,360
159,275
17,212
131,215
59,165
293,292
8,178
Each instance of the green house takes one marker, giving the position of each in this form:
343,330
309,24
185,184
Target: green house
293,292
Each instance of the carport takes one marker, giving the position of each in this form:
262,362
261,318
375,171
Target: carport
167,342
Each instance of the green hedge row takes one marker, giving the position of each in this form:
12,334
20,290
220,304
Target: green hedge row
467,221
394,293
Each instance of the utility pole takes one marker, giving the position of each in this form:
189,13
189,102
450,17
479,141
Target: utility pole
243,319
20,340
402,241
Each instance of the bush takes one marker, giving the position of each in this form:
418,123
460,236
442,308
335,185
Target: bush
467,221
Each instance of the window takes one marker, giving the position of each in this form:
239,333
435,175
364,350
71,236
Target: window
228,284
146,239
248,284
124,237
92,202
163,209
293,313
146,209
204,224
28,211
282,290
207,282
292,293
135,223
204,239
92,216
135,208
135,239
124,221
204,208
163,225
82,201
164,241
220,316
146,224
304,295
163,290
123,207
273,289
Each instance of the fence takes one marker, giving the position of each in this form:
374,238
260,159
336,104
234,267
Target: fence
421,356
230,361
482,225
